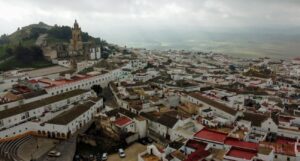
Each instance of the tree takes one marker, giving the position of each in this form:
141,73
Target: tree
35,32
85,36
4,39
232,67
104,55
97,89
23,54
28,54
63,32
9,51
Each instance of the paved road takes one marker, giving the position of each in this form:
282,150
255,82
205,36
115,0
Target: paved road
131,153
66,147
35,148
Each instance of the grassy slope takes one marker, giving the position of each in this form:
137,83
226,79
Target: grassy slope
2,51
15,39
14,64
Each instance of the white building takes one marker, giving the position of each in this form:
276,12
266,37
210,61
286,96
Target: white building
28,117
95,53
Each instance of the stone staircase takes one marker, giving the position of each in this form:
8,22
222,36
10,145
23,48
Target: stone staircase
9,149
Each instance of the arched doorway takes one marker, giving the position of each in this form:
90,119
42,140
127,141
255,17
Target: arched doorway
48,134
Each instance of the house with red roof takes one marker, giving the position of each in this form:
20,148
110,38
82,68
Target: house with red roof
124,124
239,154
233,142
212,137
235,149
284,148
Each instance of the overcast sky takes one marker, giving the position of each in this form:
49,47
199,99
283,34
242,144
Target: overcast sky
115,19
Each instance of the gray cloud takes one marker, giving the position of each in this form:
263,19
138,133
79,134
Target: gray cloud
113,19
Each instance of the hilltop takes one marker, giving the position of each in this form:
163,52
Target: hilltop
22,48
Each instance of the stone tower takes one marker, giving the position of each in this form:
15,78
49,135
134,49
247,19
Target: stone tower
76,45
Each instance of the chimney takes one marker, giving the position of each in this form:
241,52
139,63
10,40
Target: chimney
68,76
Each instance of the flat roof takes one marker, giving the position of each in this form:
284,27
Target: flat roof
47,71
196,144
241,153
241,144
213,103
282,145
70,115
36,104
215,136
122,121
264,150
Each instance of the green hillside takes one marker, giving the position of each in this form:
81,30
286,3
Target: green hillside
26,37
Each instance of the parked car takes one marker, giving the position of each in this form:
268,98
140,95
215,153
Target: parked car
98,157
91,157
150,141
77,158
122,153
104,156
54,153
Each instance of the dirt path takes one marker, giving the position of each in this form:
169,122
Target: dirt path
39,41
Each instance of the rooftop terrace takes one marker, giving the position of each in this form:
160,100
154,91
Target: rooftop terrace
210,135
241,153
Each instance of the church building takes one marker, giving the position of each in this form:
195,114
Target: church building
76,44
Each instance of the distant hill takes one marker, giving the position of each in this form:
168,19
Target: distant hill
28,32
26,37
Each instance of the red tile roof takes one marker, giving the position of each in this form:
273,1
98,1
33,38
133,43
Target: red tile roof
241,144
282,145
210,135
199,152
197,155
122,121
196,144
33,81
285,118
54,83
241,153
